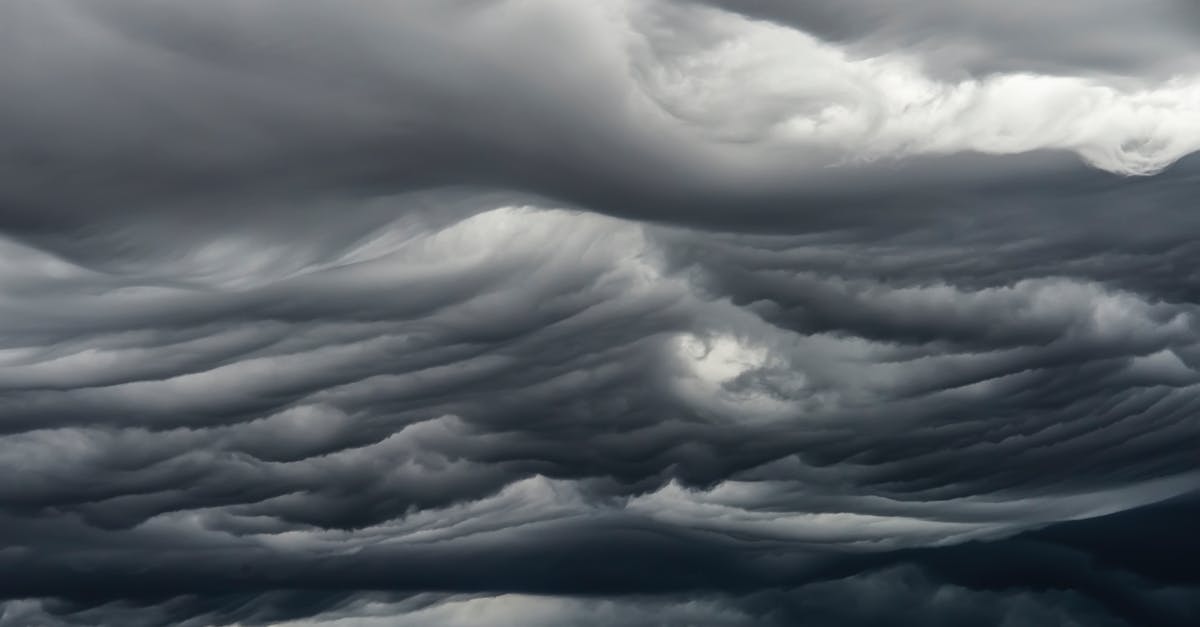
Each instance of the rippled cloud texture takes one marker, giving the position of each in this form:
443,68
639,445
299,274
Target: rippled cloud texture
627,312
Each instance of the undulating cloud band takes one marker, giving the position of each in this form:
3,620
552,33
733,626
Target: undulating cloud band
636,312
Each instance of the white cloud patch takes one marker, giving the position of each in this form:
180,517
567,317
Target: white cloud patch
742,81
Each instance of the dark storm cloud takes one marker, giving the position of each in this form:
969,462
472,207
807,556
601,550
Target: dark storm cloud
1082,573
636,312
136,112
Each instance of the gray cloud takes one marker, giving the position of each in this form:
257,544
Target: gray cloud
641,312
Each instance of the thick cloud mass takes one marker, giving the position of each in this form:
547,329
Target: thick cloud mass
633,312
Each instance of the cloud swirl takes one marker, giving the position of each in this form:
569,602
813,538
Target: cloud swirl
637,312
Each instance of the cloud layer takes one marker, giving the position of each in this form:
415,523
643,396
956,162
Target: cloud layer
633,312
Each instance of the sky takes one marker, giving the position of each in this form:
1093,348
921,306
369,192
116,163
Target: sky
628,312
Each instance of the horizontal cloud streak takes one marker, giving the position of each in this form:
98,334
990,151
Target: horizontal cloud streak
207,109
638,312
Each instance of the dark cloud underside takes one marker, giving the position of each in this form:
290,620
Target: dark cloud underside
636,312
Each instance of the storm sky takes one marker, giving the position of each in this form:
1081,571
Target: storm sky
615,312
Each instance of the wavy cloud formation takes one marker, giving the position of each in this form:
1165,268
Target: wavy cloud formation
642,312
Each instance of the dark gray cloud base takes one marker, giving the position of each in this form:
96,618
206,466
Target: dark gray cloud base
644,312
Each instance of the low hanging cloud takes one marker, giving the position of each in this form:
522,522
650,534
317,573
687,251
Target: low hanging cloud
639,312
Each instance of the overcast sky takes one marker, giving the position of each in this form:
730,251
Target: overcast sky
540,313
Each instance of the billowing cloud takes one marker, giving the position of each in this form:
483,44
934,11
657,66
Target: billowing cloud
631,312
